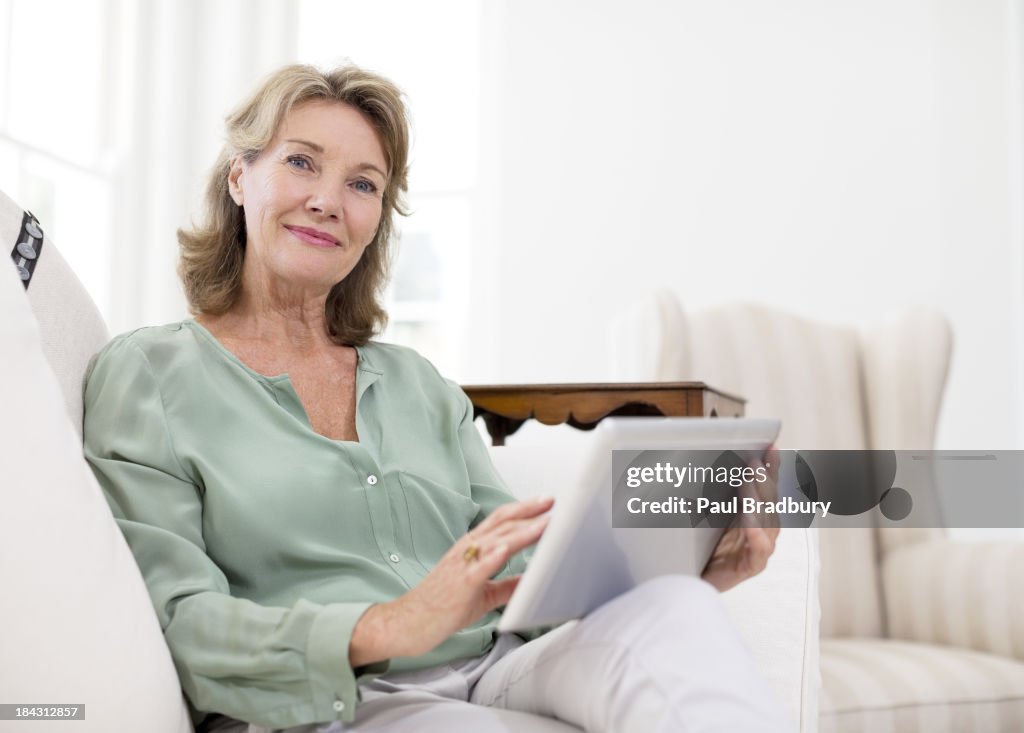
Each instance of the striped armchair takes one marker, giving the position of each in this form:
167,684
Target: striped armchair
918,632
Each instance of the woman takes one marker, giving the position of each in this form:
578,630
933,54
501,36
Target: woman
320,528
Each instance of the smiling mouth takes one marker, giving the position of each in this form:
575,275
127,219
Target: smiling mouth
314,237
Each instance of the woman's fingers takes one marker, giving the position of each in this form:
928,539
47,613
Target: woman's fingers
760,546
762,491
517,528
517,525
501,543
771,460
515,510
498,592
748,519
768,490
485,562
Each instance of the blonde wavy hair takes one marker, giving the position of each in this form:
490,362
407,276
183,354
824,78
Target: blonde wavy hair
212,251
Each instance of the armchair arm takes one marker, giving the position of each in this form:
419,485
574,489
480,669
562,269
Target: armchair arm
958,594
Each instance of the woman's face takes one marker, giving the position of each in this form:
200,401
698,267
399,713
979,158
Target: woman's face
312,198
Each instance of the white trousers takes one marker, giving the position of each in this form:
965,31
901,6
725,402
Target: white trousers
663,657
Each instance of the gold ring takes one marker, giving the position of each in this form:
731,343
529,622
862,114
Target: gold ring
472,553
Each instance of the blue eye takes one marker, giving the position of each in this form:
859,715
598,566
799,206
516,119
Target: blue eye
364,186
299,161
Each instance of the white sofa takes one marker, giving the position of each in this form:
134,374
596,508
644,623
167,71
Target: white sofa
79,627
919,632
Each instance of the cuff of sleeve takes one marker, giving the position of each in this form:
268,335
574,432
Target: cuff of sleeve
335,685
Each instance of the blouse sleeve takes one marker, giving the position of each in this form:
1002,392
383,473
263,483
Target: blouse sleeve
487,486
489,491
272,666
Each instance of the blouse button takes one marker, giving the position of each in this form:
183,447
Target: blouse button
338,706
371,480
394,557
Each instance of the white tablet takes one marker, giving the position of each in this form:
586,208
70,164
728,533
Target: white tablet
582,561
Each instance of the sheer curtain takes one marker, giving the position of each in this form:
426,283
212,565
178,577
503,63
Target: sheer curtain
110,115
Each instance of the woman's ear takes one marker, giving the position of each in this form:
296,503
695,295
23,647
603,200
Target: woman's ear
237,167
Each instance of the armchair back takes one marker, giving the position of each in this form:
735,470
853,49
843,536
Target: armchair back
833,386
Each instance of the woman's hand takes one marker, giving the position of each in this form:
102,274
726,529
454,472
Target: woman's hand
458,590
743,550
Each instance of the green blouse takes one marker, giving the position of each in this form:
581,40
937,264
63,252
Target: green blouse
263,542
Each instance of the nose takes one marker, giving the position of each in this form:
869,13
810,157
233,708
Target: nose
327,199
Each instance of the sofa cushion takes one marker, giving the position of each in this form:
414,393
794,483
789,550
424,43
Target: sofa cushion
79,625
70,327
882,685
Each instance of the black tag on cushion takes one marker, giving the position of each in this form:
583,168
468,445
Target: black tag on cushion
27,247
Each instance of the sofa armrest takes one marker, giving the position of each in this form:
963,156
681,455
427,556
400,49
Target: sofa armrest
778,616
961,594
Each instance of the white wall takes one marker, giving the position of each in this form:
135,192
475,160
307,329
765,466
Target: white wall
839,159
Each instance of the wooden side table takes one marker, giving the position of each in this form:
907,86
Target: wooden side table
506,407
